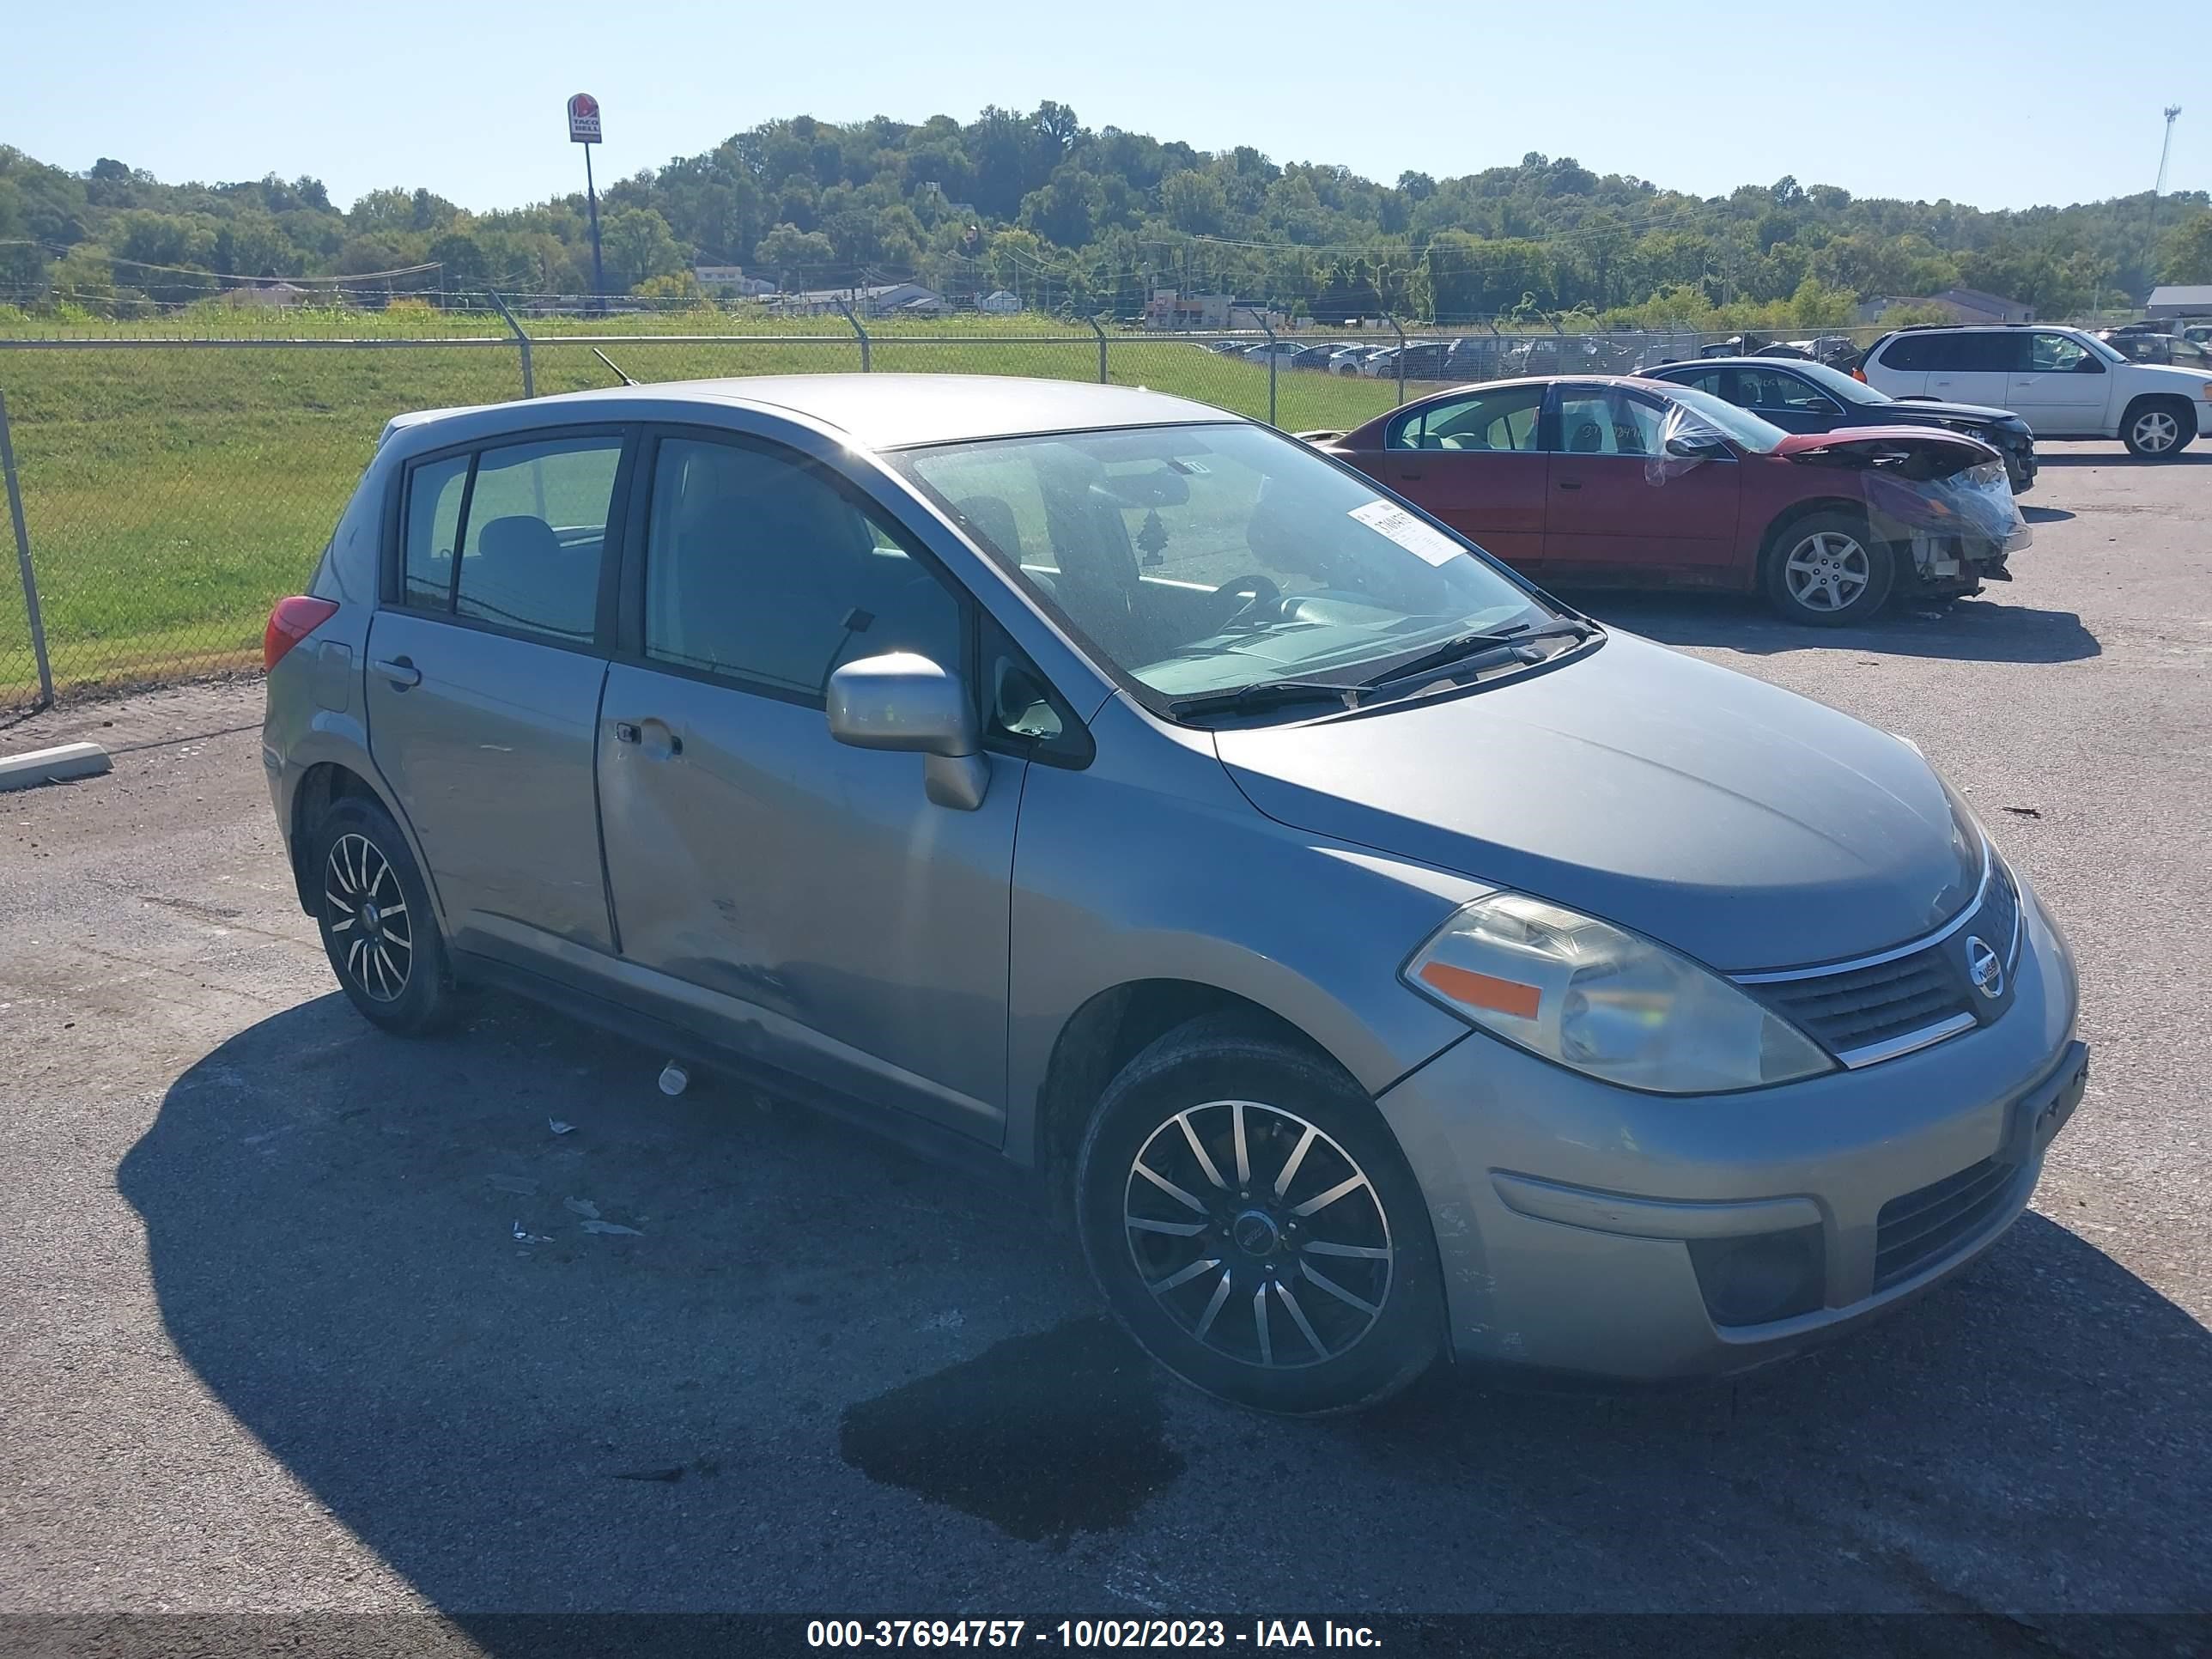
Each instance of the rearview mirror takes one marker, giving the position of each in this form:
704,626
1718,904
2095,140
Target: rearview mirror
903,702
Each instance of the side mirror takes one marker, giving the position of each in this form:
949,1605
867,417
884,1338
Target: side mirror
1699,449
907,702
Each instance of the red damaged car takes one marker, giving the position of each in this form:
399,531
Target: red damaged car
1621,482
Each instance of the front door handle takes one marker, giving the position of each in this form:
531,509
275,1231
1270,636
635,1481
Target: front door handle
1409,472
1571,483
398,671
655,736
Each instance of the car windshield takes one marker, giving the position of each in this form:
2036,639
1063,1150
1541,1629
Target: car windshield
1837,383
1195,560
1740,426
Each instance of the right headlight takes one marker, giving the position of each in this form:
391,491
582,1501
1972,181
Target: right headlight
1605,1001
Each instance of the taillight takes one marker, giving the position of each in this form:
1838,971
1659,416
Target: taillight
1859,374
292,621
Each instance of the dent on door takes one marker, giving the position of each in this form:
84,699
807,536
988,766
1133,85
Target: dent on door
806,900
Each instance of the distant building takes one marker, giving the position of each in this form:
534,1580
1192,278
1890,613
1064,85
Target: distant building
883,299
1966,305
730,280
282,295
999,303
1171,308
2177,299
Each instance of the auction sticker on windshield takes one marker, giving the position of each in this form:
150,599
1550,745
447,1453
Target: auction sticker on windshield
1425,541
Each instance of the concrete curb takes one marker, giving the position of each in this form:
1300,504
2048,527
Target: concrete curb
59,764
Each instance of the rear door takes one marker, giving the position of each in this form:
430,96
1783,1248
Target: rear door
1475,463
484,670
1620,509
2057,385
1971,365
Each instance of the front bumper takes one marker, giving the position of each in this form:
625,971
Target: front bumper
1578,1223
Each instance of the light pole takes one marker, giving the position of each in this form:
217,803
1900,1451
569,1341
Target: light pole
2165,149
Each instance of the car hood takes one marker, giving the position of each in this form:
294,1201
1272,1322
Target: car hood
1873,436
2194,379
1741,824
1911,410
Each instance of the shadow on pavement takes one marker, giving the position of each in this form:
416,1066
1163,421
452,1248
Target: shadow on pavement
1986,629
2046,514
2117,455
705,1354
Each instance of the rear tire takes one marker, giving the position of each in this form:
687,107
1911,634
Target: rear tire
1324,1297
1827,569
373,911
2157,429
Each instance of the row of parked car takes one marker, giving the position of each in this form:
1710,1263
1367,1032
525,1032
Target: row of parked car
1828,492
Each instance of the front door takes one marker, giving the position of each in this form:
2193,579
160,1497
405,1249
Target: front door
1473,462
831,918
2057,385
1620,509
484,677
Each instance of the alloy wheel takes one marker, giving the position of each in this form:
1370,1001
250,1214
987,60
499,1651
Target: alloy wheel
1258,1234
2156,432
1827,571
365,912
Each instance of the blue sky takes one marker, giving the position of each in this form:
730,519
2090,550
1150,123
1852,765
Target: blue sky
1995,106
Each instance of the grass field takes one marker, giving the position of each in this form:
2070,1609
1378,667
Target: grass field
173,494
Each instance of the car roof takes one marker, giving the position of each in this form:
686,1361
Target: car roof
876,411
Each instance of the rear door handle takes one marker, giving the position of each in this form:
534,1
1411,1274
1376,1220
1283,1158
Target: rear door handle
625,732
398,671
1571,483
653,735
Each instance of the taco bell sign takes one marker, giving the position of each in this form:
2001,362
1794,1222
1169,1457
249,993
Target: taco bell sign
583,119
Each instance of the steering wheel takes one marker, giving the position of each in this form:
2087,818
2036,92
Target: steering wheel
1262,588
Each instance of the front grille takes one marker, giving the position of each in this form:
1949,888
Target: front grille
1918,1229
1862,1006
1996,924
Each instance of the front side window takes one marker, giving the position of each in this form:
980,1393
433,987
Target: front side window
757,566
1504,419
1195,559
2055,354
1603,421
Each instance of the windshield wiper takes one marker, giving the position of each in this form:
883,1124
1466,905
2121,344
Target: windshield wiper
1466,646
1261,694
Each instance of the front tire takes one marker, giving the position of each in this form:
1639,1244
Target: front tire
374,912
2157,429
1827,569
1252,1224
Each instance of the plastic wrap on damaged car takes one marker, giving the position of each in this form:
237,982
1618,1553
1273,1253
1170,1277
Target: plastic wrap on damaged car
1942,496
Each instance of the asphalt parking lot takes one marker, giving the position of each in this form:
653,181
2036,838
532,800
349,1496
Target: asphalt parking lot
301,1317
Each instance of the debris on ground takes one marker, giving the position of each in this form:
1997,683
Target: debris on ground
2025,812
558,1126
524,1235
612,1227
582,1206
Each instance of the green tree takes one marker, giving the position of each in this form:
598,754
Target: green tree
2185,253
636,244
793,256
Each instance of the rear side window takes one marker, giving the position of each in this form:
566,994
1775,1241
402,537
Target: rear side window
514,535
758,566
1969,354
1714,380
1504,419
435,491
536,535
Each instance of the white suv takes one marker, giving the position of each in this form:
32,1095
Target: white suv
2062,382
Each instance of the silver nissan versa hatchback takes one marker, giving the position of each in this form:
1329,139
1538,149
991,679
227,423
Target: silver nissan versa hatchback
1378,958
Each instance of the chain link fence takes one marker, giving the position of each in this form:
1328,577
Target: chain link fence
173,487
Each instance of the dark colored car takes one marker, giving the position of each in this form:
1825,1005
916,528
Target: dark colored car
1809,397
2144,346
1424,359
1637,482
